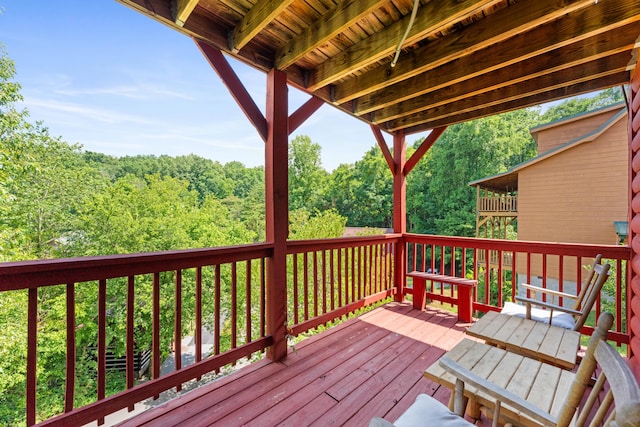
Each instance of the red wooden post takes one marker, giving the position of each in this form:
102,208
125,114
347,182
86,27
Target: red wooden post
465,303
399,209
419,294
634,223
277,210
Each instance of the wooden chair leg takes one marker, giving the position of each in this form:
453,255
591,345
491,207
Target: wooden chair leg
473,409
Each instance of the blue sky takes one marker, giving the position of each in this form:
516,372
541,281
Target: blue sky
101,75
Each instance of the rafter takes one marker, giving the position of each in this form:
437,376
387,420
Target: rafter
431,18
504,54
552,95
260,15
616,66
574,55
183,10
499,26
341,17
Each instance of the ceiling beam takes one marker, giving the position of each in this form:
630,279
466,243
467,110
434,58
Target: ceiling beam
329,25
431,18
255,20
183,9
599,83
500,25
595,69
566,57
528,45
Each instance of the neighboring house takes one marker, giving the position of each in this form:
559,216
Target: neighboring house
574,191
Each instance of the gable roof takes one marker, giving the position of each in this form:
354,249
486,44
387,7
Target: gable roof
508,181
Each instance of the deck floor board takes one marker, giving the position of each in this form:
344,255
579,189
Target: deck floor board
368,366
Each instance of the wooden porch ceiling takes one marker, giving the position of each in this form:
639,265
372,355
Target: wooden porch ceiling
460,60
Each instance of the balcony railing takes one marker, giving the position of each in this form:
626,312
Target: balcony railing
223,291
550,265
501,203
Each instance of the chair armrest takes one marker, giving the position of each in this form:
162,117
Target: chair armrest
548,305
501,395
536,289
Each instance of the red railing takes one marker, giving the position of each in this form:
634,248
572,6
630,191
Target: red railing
550,265
334,277
223,290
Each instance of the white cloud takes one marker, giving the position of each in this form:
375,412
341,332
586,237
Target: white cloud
129,91
51,108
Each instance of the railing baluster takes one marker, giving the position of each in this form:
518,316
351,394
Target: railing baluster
71,349
217,318
354,291
305,260
130,351
316,291
102,341
342,296
32,357
324,281
262,299
198,302
561,278
177,326
248,303
514,275
332,281
296,299
500,296
155,341
234,305
544,275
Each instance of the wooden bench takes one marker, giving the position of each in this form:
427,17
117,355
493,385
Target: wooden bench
465,287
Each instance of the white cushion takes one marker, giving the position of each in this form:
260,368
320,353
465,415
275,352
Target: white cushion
563,320
425,411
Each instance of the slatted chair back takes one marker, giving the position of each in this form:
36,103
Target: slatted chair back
615,397
551,312
597,276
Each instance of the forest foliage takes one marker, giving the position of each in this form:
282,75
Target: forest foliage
59,200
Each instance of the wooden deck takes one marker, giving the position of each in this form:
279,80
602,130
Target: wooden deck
369,366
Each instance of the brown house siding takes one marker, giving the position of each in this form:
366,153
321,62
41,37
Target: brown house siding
558,134
574,196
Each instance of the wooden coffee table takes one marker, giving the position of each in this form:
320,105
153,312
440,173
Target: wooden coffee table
541,341
530,379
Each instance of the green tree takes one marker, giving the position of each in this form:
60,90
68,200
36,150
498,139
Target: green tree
323,225
307,178
372,192
439,200
577,105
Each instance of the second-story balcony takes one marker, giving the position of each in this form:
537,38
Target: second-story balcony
369,366
498,204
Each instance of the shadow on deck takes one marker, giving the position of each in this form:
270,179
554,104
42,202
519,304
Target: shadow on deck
368,366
